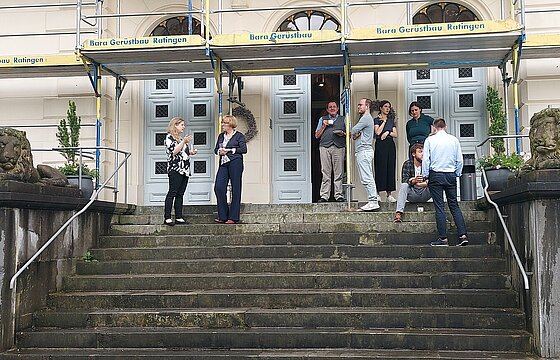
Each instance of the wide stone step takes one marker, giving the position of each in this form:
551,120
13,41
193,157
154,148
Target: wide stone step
261,354
184,282
299,208
283,298
289,265
357,318
388,238
296,251
316,217
367,226
258,338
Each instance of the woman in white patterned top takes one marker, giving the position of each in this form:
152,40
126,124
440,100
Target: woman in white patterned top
178,169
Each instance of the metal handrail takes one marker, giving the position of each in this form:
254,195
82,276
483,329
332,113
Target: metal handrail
69,221
500,216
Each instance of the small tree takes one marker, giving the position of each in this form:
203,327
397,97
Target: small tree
498,126
498,121
68,134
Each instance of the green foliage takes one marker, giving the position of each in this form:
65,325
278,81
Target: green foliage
496,161
68,136
498,121
68,133
72,169
498,126
88,257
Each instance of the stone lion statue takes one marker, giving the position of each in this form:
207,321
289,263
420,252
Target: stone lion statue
16,161
545,140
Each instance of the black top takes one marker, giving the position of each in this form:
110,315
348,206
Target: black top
389,125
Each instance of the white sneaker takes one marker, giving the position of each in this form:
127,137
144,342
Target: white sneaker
391,199
370,206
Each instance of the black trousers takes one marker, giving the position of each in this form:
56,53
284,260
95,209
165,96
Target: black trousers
385,162
177,187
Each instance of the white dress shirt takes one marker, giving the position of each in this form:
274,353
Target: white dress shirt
442,153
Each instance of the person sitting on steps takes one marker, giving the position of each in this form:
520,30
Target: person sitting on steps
413,188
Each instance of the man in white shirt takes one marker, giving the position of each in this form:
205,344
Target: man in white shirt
441,165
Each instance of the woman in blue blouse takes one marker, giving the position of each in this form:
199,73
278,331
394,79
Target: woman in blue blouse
420,126
178,169
230,146
385,156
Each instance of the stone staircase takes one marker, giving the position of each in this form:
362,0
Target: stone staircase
290,282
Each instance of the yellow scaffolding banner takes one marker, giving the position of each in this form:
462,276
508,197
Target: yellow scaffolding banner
38,60
287,37
143,42
542,40
437,29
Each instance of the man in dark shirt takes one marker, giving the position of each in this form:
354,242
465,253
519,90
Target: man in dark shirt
332,148
413,188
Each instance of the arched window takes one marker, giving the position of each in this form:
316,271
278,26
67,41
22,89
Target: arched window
309,20
443,12
178,25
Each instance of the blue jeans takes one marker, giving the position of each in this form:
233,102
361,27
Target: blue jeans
438,183
364,160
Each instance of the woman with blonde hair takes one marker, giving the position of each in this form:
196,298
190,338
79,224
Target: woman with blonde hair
230,146
178,169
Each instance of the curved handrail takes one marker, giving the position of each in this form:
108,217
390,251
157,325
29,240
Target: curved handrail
69,221
500,216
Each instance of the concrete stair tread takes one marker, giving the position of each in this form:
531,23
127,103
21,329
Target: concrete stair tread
316,310
287,274
284,330
408,291
237,354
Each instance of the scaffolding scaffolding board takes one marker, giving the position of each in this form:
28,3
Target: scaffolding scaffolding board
541,46
442,45
33,66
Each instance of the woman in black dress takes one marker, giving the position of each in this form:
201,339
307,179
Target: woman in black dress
385,156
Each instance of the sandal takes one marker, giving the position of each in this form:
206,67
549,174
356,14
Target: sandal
398,217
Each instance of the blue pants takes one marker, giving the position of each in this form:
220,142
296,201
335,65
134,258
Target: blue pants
438,183
177,186
230,171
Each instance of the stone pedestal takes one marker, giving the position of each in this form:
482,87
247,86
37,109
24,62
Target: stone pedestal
532,206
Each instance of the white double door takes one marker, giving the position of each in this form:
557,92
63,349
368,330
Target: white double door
458,96
193,100
291,139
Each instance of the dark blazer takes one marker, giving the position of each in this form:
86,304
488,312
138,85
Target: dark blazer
236,142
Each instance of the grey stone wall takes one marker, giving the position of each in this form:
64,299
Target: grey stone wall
532,206
27,220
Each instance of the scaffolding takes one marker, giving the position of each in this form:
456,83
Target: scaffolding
489,43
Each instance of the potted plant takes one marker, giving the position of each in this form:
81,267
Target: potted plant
68,136
499,166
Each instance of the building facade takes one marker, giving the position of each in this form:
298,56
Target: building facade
282,164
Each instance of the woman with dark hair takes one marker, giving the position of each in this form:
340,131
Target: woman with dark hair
385,156
420,126
230,146
178,170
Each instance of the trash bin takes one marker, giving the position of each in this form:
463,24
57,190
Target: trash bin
467,181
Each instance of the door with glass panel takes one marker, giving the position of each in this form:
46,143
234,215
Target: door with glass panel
193,100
